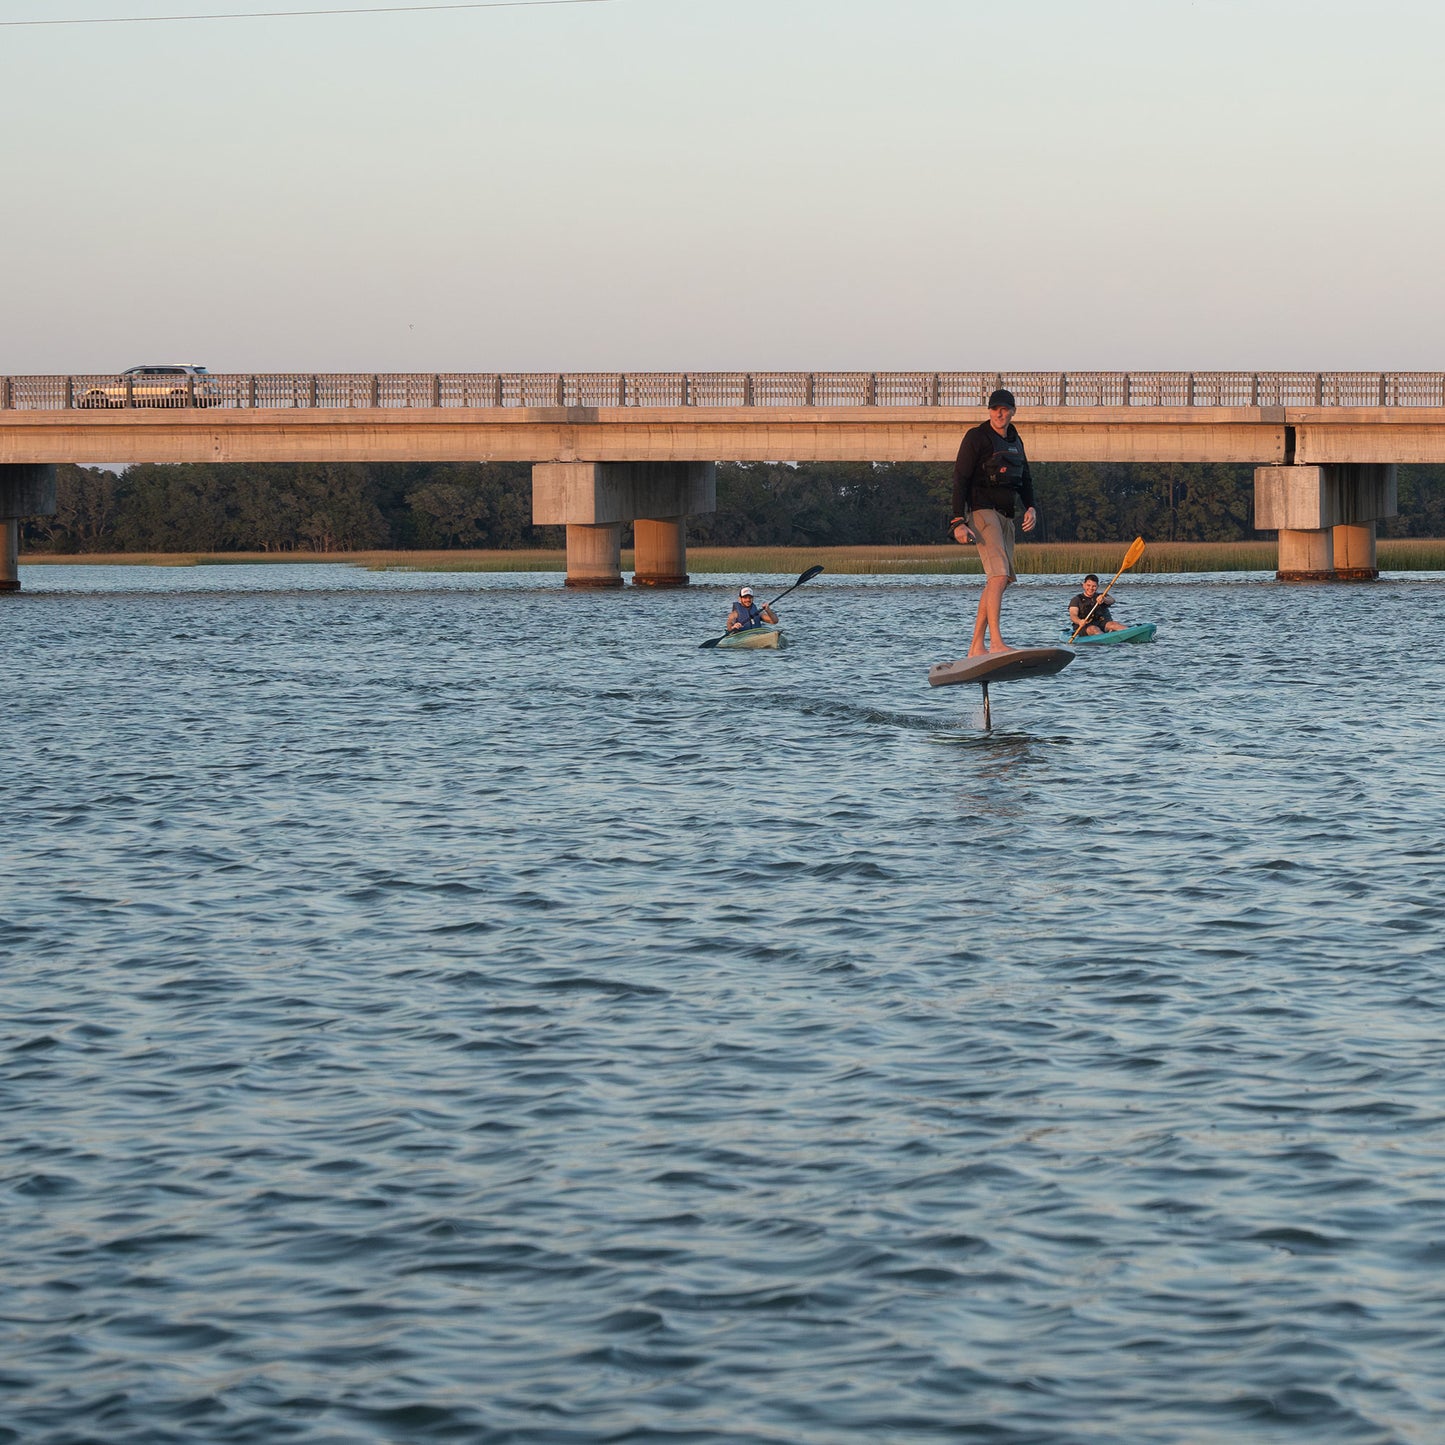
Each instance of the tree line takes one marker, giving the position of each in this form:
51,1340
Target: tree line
344,507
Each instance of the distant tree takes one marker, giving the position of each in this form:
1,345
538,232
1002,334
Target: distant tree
338,508
448,515
173,509
84,519
1075,502
1217,505
1422,504
473,504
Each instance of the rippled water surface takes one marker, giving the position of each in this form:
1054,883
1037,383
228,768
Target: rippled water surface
452,1008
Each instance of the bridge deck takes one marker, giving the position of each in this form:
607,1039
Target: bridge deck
1257,435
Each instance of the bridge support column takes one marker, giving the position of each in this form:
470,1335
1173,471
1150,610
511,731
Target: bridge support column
9,554
27,489
1355,552
1325,516
659,552
1306,555
594,498
594,555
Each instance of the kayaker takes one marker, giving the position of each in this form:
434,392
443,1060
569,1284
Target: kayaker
746,614
1082,604
991,479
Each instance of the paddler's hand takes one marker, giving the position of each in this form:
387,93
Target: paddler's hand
1030,517
964,534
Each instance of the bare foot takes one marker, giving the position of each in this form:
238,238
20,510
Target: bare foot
977,650
1002,647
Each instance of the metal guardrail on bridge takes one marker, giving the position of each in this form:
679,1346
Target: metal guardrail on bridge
359,391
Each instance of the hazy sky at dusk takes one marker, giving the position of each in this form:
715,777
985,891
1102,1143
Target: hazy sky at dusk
657,184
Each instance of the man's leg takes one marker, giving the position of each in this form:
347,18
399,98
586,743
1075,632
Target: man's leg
985,622
976,646
992,598
997,559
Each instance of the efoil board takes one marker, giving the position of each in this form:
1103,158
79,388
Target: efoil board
992,667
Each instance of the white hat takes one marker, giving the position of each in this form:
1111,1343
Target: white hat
745,591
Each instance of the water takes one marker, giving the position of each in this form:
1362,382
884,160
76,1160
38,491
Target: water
449,1008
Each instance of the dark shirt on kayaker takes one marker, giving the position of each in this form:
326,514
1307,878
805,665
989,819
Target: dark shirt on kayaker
1081,604
991,471
745,614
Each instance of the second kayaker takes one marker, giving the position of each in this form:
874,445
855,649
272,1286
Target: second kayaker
1085,604
746,613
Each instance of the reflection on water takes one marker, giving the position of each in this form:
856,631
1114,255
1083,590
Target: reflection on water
454,1008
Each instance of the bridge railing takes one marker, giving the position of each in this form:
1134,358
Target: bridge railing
348,391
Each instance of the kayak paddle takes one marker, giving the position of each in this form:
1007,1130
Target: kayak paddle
805,577
1135,552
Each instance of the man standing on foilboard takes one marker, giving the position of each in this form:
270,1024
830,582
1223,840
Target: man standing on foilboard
990,478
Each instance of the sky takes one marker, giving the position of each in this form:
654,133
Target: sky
725,184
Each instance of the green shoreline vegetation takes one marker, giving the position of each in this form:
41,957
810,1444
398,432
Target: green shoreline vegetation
1401,554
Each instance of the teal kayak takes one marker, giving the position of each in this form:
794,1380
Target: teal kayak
1140,632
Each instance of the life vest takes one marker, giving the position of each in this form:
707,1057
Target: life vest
1081,604
1006,466
999,479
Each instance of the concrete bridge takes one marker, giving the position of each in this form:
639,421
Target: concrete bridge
612,448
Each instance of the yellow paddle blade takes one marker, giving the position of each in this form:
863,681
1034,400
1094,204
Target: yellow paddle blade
1135,552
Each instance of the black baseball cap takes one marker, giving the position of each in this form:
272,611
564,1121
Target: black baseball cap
1002,398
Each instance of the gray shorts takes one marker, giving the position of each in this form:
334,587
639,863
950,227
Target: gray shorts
995,534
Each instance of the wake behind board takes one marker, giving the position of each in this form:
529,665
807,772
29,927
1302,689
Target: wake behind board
1001,666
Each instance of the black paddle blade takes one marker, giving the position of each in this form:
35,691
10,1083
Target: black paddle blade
803,577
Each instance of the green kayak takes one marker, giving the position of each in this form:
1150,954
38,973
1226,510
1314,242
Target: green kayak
760,636
1140,632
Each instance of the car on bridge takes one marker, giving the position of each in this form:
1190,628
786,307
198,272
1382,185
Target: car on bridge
153,386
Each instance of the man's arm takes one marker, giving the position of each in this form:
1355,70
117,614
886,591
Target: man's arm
964,467
1026,490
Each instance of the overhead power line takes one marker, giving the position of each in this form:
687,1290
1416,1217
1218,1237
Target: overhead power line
292,14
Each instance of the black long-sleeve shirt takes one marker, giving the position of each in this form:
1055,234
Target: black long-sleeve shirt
977,479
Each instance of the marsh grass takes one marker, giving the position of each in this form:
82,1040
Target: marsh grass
1051,558
1410,554
1396,554
1042,558
535,560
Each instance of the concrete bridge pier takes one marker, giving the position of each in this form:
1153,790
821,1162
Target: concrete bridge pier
1355,552
593,499
1325,516
659,552
26,490
594,555
1306,555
